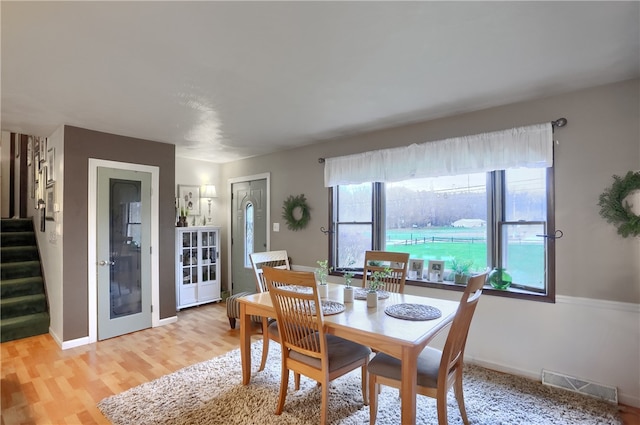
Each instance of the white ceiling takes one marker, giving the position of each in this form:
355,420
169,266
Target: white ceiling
229,80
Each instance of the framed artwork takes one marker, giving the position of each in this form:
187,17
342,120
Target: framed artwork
33,175
435,270
36,167
189,198
43,178
36,149
43,149
415,268
50,201
51,156
29,150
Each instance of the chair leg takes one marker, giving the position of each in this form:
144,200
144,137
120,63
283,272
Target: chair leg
457,389
296,380
324,406
232,322
365,377
373,399
265,344
441,402
284,385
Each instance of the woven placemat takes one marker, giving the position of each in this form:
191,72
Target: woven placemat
329,307
297,288
361,294
413,311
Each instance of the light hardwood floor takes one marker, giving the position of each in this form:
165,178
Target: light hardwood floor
42,384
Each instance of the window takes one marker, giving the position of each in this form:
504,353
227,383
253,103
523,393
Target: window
495,219
353,223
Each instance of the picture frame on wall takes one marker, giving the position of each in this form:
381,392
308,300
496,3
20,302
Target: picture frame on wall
43,149
29,150
189,198
44,175
33,177
415,269
51,156
435,270
50,202
36,149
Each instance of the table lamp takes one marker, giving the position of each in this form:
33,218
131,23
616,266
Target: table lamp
208,191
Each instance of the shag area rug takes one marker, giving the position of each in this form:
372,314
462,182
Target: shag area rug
211,392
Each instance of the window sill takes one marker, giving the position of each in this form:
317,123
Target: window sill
447,285
487,290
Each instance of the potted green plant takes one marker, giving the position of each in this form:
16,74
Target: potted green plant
321,274
182,221
461,270
375,284
348,289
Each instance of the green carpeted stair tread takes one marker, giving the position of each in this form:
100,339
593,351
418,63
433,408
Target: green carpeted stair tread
24,326
22,306
14,254
21,286
17,239
20,269
16,224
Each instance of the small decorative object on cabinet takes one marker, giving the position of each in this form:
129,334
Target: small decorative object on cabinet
499,278
197,265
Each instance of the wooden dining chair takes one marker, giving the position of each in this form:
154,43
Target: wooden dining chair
437,370
306,348
275,259
378,261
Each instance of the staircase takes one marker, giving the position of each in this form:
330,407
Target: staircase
23,303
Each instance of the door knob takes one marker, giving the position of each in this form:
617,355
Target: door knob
106,263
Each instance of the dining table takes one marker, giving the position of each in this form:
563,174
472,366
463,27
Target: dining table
371,326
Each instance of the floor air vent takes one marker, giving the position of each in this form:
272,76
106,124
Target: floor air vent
581,386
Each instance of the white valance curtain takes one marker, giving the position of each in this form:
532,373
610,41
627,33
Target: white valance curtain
528,147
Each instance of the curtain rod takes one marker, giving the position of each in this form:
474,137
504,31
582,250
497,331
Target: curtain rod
559,123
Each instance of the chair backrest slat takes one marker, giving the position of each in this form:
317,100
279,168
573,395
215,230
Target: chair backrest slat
378,261
453,351
295,297
275,259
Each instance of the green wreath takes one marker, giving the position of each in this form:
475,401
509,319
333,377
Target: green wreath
288,212
615,210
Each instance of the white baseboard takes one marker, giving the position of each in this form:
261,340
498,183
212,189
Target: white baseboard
502,368
166,321
85,340
75,343
55,337
626,399
65,345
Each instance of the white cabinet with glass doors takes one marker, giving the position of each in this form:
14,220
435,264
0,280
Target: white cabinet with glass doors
197,266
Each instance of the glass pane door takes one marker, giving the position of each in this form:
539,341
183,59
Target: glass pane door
124,245
209,256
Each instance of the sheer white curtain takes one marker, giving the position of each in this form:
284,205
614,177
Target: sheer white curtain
529,147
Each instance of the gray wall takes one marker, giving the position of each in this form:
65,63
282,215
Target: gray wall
602,138
79,146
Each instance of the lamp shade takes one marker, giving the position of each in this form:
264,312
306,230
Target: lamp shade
208,191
